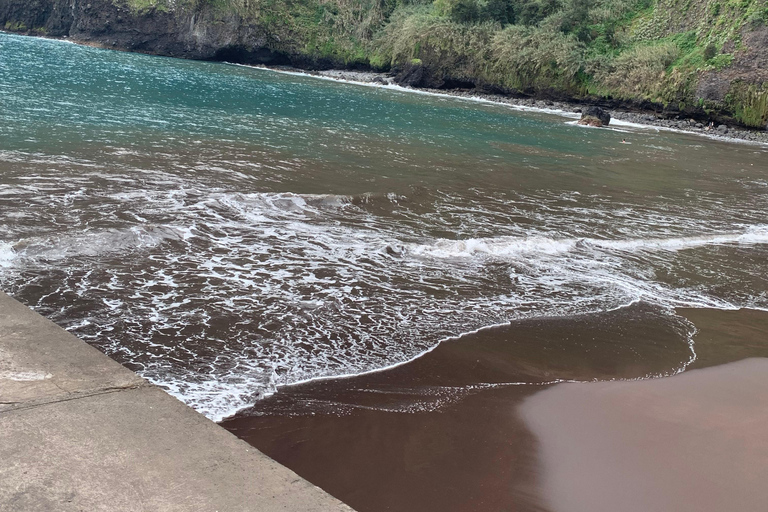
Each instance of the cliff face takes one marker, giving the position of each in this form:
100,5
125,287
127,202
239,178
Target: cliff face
51,17
194,34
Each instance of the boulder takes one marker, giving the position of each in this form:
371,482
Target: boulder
595,116
590,121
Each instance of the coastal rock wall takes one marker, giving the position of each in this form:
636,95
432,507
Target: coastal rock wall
191,34
40,17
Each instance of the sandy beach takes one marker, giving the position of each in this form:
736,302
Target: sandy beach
693,442
450,431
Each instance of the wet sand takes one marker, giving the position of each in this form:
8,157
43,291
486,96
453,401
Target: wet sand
445,432
693,442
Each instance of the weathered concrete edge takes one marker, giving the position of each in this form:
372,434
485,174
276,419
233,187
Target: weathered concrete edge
66,408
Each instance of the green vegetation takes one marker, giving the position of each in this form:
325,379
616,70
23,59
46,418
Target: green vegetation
145,6
625,49
749,103
15,26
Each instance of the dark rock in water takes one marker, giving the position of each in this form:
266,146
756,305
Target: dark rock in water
590,121
722,128
595,116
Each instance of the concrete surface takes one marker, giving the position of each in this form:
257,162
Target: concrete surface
79,432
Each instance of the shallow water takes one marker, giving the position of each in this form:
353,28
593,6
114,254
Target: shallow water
224,230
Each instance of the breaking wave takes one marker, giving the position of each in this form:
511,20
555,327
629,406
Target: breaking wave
221,297
515,247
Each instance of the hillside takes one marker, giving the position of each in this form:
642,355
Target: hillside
706,59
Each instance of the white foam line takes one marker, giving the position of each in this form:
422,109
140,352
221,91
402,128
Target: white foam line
523,108
675,371
411,90
46,38
630,127
711,136
514,246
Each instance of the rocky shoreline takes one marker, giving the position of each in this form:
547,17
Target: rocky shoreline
631,115
717,131
212,32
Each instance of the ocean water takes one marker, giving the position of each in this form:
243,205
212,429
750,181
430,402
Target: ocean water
224,230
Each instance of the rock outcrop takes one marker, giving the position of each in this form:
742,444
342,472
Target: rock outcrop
595,116
195,34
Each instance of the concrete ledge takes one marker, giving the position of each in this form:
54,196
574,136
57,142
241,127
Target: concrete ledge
80,432
40,361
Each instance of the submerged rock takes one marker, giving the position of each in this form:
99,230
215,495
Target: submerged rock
595,116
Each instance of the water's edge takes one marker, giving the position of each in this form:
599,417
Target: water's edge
227,42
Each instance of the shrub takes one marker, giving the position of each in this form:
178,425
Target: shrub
446,47
638,71
758,18
533,12
710,51
460,11
465,11
749,103
528,58
500,11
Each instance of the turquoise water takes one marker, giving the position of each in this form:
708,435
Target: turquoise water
225,230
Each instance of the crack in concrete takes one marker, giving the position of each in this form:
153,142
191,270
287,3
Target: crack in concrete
32,404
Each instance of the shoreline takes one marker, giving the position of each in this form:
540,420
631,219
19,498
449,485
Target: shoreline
444,429
685,366
636,118
633,116
457,338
